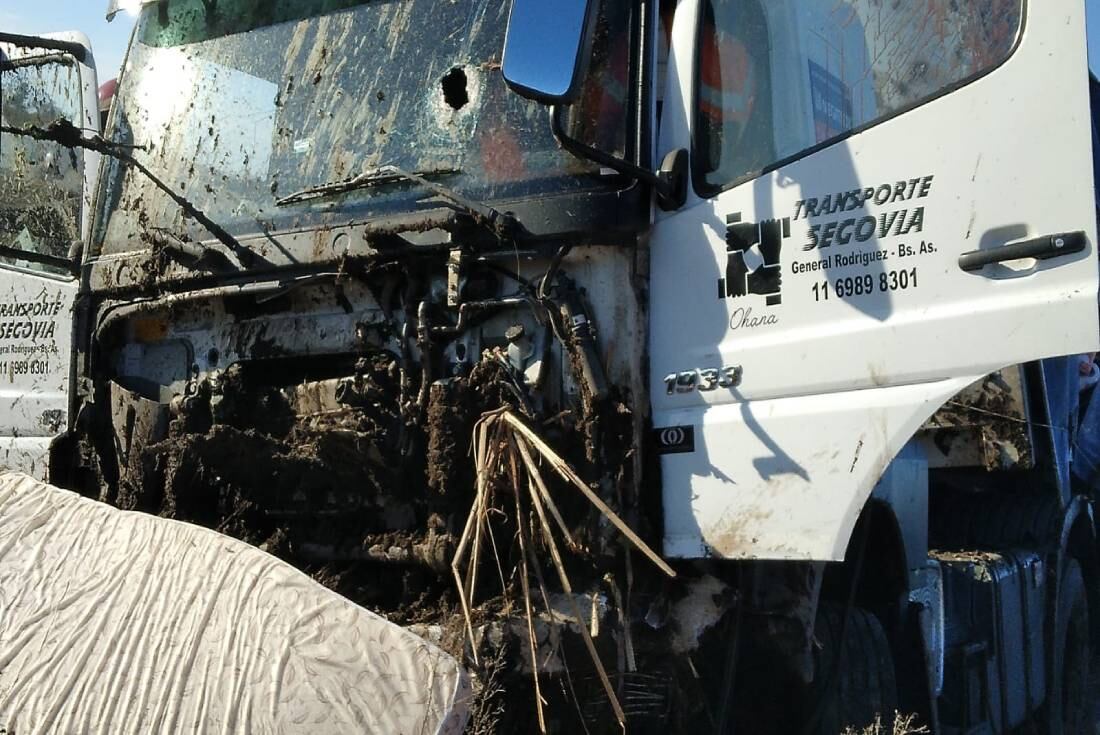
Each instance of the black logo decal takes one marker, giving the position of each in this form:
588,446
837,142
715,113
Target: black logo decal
765,280
675,439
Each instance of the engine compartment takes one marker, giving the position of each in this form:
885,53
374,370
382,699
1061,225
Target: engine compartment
328,419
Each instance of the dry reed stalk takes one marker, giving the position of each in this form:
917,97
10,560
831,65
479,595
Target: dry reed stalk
505,446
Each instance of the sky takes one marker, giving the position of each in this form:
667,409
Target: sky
1092,8
109,39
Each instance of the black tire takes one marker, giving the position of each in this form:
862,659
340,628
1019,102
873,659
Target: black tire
862,686
1067,710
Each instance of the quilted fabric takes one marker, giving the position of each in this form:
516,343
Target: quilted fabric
121,622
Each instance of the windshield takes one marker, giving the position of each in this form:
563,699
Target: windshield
41,182
238,105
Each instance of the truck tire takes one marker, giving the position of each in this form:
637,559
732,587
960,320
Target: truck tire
1067,711
862,686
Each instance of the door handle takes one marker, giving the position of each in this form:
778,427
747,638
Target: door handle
1040,248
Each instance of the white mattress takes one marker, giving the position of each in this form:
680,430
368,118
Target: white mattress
121,622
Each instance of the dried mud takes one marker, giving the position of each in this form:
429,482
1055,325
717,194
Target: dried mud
363,497
332,466
987,413
341,494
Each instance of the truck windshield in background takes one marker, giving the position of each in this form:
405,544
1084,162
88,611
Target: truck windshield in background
237,106
41,182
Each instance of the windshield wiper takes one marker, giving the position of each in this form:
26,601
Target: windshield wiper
66,134
31,256
503,224
36,42
366,180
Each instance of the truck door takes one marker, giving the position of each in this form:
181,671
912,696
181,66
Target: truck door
45,210
888,201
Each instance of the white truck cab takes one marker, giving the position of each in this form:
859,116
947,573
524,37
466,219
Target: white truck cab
45,215
880,214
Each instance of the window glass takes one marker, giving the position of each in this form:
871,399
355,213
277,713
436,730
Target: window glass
776,78
602,116
664,45
266,100
41,182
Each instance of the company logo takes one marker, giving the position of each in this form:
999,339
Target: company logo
765,241
675,439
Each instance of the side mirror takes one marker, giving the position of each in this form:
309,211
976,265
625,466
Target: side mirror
545,47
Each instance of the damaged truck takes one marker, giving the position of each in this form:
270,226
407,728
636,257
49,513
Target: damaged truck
677,365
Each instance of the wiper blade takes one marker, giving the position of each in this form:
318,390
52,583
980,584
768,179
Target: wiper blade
33,42
66,134
30,256
366,180
503,224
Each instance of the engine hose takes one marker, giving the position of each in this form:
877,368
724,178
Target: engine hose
552,270
585,345
424,343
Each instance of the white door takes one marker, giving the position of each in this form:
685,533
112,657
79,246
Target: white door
889,200
45,192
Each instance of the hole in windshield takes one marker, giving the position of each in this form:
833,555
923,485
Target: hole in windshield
454,88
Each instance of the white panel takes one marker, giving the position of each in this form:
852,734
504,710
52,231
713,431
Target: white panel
776,479
29,455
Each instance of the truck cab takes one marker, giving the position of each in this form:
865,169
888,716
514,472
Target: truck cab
723,266
819,243
45,213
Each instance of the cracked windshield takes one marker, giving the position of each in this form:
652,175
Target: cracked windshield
265,102
40,181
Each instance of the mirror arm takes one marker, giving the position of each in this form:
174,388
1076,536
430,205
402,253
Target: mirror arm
669,185
595,155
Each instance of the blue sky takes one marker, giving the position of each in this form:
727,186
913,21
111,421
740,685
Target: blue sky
109,39
1093,9
43,16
